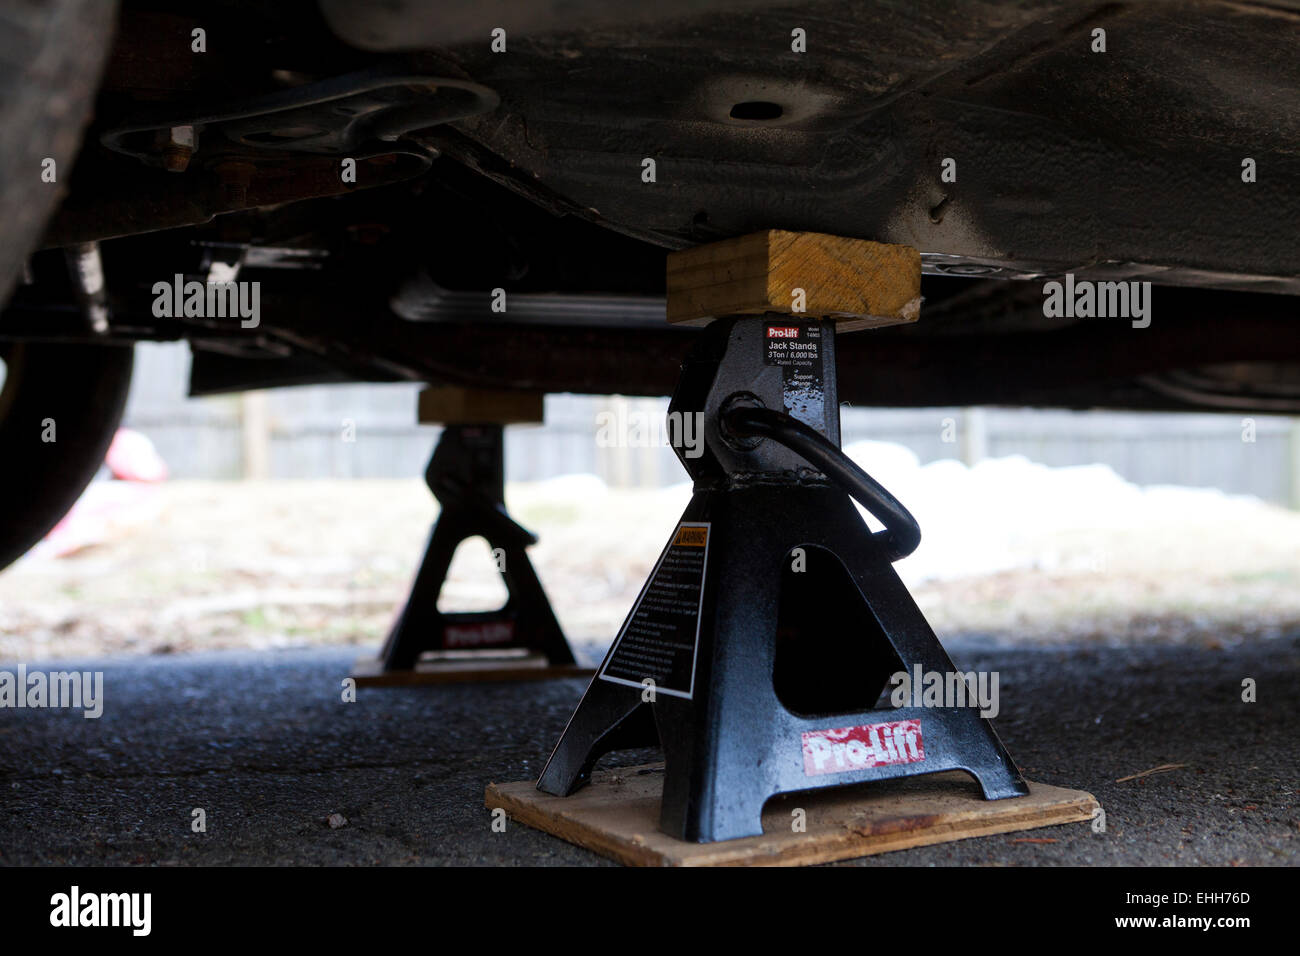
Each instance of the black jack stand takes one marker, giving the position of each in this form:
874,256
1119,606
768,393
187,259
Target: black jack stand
467,476
757,651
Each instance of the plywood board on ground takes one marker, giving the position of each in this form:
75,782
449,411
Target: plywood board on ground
617,816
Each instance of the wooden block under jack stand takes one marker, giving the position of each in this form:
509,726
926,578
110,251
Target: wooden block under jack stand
462,405
479,668
858,283
617,815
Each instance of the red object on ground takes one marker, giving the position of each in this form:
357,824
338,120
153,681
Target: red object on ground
132,457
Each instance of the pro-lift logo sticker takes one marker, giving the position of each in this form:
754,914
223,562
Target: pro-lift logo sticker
797,349
478,634
842,749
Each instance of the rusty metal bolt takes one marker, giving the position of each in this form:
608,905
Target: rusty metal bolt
180,147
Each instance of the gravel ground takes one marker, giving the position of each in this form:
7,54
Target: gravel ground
263,743
225,615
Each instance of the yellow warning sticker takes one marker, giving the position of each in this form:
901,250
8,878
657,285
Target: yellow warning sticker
692,536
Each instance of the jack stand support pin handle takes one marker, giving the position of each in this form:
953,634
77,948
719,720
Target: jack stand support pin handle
902,534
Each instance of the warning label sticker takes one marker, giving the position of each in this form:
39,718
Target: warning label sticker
854,748
797,348
660,640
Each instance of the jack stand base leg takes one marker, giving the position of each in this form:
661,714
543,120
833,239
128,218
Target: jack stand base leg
725,762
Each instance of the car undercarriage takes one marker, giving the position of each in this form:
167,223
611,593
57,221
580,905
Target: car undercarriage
484,193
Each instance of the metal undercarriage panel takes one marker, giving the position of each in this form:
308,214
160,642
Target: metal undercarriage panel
1123,163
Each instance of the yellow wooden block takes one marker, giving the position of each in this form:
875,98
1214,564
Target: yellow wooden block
858,283
461,405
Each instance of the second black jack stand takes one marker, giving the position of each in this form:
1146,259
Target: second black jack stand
758,649
467,476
